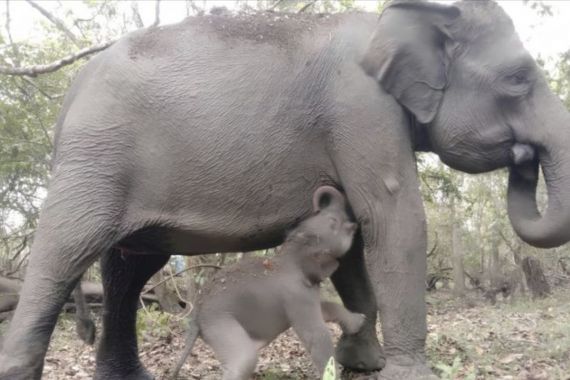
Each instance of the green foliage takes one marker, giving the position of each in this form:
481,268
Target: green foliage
380,5
439,181
270,375
330,370
154,322
559,78
346,4
451,372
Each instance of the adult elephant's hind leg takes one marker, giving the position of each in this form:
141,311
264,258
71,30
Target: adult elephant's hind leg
360,351
68,240
233,347
124,276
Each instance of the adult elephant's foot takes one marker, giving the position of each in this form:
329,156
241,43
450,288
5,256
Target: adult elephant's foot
403,367
140,373
360,352
14,369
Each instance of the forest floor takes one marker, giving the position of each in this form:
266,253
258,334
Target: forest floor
468,339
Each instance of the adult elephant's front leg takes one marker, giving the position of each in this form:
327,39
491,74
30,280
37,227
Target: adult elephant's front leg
396,262
388,206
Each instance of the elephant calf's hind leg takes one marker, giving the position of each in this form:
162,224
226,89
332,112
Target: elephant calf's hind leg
238,353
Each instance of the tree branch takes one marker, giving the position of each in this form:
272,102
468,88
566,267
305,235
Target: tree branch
156,13
33,71
195,9
509,244
40,90
434,248
180,272
56,21
15,51
136,15
275,5
307,6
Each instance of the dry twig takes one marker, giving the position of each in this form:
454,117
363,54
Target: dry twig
307,6
180,272
136,15
156,13
56,21
33,71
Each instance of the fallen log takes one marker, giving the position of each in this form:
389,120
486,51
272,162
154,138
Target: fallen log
92,291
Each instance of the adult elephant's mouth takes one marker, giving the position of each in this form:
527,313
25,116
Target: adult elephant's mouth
524,161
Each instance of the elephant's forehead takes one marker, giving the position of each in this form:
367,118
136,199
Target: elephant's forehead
480,18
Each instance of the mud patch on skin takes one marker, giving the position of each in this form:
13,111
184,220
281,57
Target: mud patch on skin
247,267
280,29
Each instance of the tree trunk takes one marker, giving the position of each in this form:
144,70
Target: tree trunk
494,266
457,248
191,285
167,297
535,279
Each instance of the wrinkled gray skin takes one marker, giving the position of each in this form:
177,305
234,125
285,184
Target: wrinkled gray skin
247,305
207,136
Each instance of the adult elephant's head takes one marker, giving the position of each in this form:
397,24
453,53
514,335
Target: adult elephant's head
464,74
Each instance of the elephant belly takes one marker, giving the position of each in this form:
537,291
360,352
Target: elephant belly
209,228
239,204
262,315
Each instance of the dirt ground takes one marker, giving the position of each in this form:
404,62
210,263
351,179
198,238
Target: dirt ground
468,339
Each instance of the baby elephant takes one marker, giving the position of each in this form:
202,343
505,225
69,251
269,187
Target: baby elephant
247,305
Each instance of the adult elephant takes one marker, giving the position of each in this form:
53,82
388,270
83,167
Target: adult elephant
210,136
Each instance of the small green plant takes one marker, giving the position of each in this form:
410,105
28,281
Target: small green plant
270,375
330,370
451,372
153,321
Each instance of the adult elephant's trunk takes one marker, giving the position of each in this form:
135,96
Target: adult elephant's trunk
551,137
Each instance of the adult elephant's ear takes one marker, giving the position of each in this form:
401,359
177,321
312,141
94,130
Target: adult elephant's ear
407,54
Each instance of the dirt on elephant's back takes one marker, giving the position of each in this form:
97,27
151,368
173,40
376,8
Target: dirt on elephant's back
247,269
281,29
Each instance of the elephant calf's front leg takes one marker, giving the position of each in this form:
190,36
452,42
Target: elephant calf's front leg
360,351
349,322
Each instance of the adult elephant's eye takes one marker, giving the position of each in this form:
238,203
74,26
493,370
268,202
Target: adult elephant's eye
519,78
517,83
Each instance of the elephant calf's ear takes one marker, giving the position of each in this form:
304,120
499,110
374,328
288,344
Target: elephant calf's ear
407,55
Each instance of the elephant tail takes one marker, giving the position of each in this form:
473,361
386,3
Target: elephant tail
191,336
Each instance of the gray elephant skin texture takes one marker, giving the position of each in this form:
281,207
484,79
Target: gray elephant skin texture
210,135
248,304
